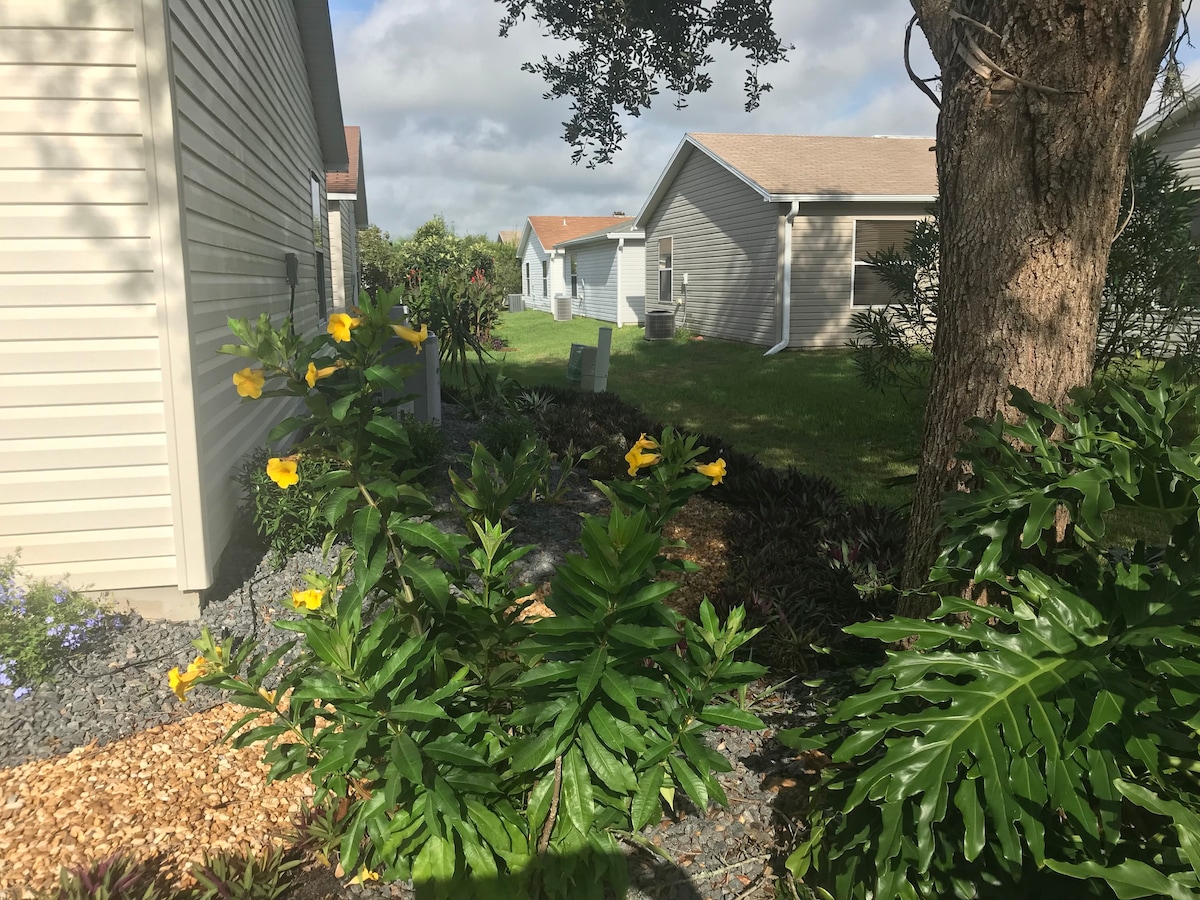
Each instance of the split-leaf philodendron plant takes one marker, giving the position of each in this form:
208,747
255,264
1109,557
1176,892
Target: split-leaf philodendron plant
472,749
1053,734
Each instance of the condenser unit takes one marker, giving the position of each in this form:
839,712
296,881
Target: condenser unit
660,325
562,308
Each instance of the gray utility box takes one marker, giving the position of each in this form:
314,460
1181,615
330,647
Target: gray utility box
587,367
660,325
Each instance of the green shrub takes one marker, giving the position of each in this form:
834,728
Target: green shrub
473,752
1028,740
289,521
504,434
426,440
116,877
41,624
243,876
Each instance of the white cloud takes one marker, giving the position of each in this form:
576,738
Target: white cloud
452,125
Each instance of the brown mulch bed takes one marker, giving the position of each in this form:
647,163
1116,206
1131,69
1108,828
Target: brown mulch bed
176,790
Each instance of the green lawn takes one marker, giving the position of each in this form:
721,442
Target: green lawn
807,409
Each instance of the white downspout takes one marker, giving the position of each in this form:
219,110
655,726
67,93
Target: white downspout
786,336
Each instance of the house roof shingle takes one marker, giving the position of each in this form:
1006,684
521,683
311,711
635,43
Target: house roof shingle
347,182
551,230
783,164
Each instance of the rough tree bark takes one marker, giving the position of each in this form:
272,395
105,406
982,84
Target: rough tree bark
1038,106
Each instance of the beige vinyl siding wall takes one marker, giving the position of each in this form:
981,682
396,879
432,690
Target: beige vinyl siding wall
343,249
248,148
823,267
84,481
1181,145
725,239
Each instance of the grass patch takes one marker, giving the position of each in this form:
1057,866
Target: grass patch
806,409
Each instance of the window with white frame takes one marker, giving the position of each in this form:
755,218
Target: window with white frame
574,277
318,219
545,278
873,236
666,248
528,285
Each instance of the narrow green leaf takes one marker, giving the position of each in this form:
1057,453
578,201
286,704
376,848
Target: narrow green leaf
647,805
590,673
577,800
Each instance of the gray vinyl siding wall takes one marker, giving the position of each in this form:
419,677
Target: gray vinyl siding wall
823,267
249,145
725,239
84,481
596,268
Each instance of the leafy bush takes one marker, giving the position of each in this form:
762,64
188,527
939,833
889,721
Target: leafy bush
496,483
289,521
426,441
1148,310
469,750
41,624
243,876
999,755
504,434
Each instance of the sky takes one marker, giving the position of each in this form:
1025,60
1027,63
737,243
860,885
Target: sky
452,126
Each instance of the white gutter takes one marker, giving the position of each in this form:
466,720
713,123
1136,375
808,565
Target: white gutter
786,337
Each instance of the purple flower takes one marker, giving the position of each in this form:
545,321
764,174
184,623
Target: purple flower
61,595
21,693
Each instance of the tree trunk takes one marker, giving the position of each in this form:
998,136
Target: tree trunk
1039,102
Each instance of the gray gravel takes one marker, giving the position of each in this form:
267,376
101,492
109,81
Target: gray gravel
720,854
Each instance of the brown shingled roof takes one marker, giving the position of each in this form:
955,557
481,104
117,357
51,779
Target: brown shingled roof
810,165
551,230
347,182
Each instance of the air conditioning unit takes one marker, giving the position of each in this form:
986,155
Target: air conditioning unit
516,303
660,325
562,308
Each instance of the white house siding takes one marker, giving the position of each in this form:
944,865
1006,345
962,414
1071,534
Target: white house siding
1181,145
534,297
596,269
84,482
823,267
248,148
632,293
725,239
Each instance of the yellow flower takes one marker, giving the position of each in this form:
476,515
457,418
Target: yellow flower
282,471
309,599
182,682
340,325
313,375
249,382
713,470
416,338
269,696
637,459
645,443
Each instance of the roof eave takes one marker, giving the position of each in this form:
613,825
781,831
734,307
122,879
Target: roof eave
608,235
316,41
851,198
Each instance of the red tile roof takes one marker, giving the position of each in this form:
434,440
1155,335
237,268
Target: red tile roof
551,230
347,182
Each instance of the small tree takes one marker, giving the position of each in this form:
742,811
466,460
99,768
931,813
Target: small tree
1148,307
378,261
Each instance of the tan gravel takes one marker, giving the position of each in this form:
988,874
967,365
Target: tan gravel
173,790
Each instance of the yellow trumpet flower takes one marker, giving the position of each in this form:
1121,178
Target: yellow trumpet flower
313,375
416,338
282,471
249,382
340,324
713,470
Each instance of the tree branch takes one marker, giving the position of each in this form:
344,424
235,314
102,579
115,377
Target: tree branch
919,82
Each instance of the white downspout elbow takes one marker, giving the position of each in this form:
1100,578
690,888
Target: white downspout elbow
786,335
